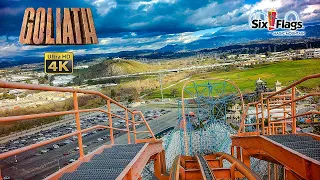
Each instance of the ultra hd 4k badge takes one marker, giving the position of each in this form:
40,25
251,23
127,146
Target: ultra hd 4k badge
58,63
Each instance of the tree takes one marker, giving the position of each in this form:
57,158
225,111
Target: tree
28,81
130,99
174,92
291,50
43,80
113,93
268,54
51,80
77,80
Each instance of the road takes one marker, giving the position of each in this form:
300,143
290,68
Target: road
32,166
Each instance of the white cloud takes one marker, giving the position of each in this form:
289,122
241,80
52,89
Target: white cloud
266,4
149,4
216,14
103,6
233,13
234,28
10,47
117,44
138,25
310,12
185,37
78,51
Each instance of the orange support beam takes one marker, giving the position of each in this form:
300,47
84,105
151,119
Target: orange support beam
127,125
110,121
293,110
77,117
264,148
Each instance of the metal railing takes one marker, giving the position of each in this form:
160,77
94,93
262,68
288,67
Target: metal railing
77,112
236,166
275,111
184,119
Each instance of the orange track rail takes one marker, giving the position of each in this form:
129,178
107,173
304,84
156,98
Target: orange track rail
187,167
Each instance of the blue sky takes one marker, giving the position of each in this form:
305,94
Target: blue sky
146,24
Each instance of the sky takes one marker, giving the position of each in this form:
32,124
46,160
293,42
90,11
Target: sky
126,25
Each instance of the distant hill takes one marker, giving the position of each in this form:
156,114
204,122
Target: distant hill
113,68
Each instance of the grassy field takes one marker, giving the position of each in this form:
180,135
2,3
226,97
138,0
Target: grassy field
130,67
285,71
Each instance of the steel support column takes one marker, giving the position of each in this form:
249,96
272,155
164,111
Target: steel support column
77,117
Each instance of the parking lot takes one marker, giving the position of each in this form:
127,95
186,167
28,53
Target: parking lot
40,162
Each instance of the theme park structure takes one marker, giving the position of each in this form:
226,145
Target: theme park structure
203,145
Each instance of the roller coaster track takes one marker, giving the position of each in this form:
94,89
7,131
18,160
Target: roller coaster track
271,141
210,167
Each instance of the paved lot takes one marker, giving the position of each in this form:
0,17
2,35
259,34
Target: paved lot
35,165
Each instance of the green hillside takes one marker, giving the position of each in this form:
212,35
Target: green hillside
113,68
130,66
285,71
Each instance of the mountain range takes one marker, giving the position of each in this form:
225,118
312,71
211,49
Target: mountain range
224,38
220,41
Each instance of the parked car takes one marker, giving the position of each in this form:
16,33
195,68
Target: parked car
44,150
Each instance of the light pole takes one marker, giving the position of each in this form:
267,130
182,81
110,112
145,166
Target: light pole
160,79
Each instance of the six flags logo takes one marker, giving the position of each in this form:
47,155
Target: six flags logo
270,21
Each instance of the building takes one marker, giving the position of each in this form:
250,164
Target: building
262,55
312,53
16,91
300,53
81,67
261,86
231,56
62,80
244,56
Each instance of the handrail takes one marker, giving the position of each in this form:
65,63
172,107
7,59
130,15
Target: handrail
76,112
295,100
175,170
286,102
294,84
13,85
43,143
42,115
240,166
